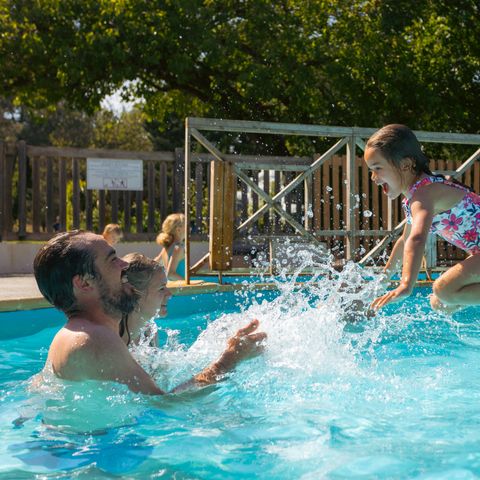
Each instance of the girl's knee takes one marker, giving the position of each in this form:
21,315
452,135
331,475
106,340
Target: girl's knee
445,291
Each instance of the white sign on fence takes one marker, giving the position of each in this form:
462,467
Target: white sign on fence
114,174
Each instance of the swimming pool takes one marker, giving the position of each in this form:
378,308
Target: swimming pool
396,396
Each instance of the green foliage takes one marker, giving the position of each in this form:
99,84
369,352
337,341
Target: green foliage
342,62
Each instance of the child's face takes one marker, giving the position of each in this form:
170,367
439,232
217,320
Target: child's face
385,174
154,303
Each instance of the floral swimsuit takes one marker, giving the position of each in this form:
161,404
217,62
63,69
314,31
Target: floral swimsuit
461,224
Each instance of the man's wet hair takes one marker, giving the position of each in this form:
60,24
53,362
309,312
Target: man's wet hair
57,262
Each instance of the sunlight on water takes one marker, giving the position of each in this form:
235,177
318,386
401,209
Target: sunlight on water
336,394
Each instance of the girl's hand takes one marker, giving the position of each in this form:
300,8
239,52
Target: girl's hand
392,296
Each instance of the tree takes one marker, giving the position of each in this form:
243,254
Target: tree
344,62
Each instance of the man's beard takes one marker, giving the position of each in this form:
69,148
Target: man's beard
119,303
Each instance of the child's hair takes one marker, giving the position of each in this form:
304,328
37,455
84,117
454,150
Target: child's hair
139,273
396,142
166,237
114,228
140,270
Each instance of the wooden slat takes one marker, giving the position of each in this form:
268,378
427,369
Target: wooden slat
50,210
72,152
244,193
151,196
76,192
114,205
254,176
198,197
89,210
22,189
221,215
327,189
287,178
317,199
163,191
476,174
277,188
308,203
101,210
139,210
127,209
178,180
337,192
36,200
62,191
266,189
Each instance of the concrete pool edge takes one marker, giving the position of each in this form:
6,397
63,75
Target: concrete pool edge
30,298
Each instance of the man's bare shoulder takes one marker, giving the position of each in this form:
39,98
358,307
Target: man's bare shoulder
78,348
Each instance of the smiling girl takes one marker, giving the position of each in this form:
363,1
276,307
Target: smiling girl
431,204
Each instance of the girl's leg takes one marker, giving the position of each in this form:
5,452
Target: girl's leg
458,287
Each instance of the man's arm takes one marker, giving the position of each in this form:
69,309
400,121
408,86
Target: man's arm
245,343
108,358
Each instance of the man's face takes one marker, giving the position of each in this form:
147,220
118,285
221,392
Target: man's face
116,294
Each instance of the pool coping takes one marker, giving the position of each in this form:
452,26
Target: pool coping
31,298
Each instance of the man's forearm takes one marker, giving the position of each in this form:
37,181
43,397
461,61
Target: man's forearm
208,376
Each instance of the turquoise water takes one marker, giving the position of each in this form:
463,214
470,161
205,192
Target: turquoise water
396,396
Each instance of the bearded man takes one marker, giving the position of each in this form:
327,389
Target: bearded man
81,274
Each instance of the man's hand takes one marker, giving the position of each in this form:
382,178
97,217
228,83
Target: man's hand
244,344
400,293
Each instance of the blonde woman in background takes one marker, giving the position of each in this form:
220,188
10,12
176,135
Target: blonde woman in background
171,239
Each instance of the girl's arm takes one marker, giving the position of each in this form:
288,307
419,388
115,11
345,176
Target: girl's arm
177,255
422,208
395,260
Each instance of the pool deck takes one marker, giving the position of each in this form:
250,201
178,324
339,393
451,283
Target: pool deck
20,292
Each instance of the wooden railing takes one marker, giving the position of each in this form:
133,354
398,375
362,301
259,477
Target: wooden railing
334,199
40,185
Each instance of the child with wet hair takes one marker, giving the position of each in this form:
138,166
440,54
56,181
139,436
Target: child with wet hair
150,282
171,238
112,233
432,203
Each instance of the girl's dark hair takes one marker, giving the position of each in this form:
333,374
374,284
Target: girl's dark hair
396,142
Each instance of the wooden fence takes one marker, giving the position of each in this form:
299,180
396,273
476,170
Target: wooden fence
44,186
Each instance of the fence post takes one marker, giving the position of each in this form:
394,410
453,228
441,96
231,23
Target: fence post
22,189
350,193
178,179
186,171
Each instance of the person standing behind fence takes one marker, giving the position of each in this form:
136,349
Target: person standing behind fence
173,252
112,233
432,203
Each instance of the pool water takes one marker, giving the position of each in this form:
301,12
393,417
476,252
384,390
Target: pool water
394,396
